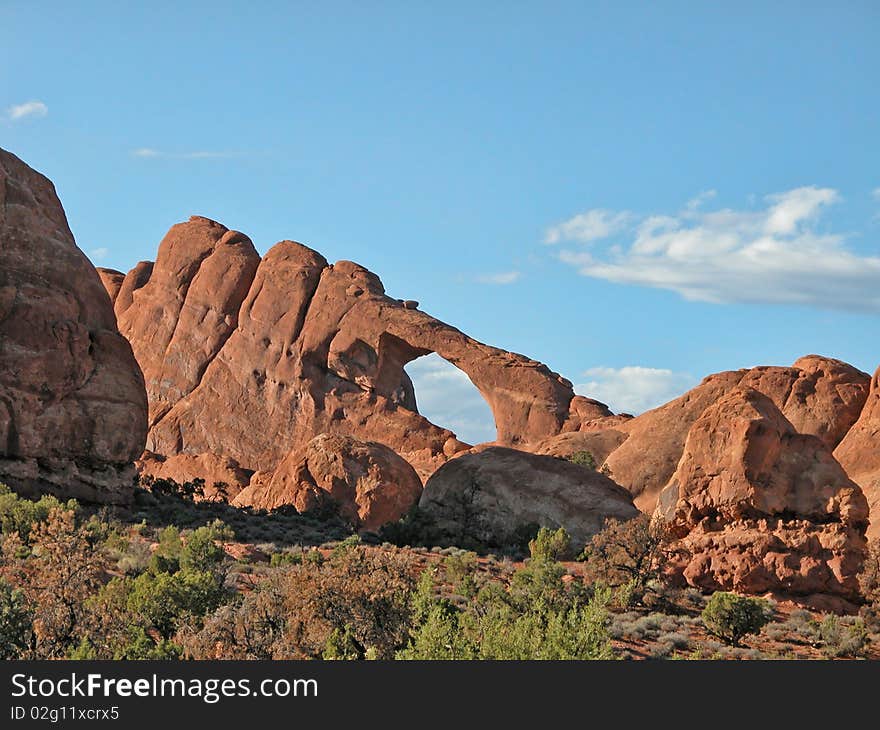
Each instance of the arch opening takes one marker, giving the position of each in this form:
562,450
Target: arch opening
446,396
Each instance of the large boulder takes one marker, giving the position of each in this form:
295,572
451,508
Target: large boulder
755,506
818,395
647,458
859,454
368,483
490,495
72,401
244,357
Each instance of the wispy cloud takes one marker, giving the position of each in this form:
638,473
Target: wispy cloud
634,388
99,254
593,225
698,200
150,152
776,253
499,279
876,193
447,397
32,108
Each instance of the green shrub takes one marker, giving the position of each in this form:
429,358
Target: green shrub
583,458
16,622
731,617
626,554
550,545
843,637
18,514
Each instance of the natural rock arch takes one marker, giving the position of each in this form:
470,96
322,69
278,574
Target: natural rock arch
246,357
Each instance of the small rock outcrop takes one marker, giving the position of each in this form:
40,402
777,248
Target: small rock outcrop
756,506
490,495
72,400
819,396
368,483
223,478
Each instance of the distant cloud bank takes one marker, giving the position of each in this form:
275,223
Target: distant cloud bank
776,254
32,108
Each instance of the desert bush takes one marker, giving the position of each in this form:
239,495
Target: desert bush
843,637
626,554
536,616
550,545
353,605
731,617
19,515
64,568
461,572
16,622
583,458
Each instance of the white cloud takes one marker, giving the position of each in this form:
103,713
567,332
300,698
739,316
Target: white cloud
698,200
501,278
634,389
447,397
149,152
585,227
99,254
27,109
774,254
876,193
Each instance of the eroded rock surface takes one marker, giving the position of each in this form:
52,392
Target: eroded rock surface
72,400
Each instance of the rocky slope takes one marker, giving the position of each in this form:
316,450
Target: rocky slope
72,401
756,506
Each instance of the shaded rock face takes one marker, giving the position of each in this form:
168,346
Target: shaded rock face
859,454
600,444
246,358
489,495
818,396
223,477
72,400
756,506
368,482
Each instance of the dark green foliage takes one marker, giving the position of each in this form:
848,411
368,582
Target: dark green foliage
536,617
19,515
16,622
169,487
731,617
583,458
550,545
626,556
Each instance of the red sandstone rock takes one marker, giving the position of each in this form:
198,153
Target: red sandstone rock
756,506
72,401
488,495
370,484
112,281
598,443
223,477
185,312
310,349
819,396
859,454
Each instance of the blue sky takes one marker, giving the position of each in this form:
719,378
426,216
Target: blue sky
637,194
